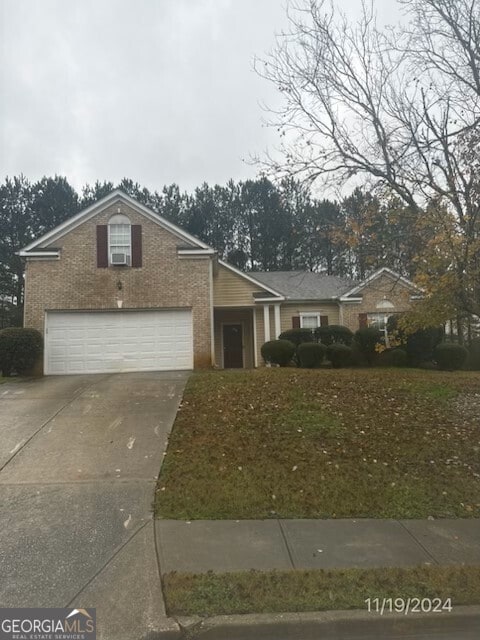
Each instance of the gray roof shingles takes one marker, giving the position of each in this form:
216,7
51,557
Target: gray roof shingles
304,285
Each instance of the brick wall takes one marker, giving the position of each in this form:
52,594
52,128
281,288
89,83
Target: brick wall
383,287
164,280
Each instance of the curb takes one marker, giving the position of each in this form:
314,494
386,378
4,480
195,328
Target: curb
329,625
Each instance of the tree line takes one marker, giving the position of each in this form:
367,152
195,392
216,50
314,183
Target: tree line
256,225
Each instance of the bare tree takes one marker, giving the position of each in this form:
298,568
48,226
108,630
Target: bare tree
396,106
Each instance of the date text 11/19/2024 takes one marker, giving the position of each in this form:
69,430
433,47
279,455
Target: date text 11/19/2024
408,605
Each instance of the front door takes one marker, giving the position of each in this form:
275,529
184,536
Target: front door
232,346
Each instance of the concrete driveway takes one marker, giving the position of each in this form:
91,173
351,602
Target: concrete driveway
79,457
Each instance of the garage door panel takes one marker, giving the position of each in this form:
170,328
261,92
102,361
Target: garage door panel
97,342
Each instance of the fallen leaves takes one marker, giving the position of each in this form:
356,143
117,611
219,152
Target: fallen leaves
361,443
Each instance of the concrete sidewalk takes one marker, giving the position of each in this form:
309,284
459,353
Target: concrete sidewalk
238,545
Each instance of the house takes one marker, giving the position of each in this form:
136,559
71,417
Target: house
118,288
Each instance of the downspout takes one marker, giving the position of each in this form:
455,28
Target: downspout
212,329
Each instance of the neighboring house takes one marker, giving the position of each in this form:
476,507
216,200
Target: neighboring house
118,288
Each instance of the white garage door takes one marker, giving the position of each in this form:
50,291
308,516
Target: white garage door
98,342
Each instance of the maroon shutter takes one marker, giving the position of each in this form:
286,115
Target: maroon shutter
362,320
324,321
136,245
102,246
296,322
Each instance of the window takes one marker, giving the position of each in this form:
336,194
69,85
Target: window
119,240
378,320
309,320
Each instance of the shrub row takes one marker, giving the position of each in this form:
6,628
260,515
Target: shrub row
311,354
20,350
331,334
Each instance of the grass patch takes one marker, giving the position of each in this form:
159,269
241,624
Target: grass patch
316,590
10,379
431,390
296,443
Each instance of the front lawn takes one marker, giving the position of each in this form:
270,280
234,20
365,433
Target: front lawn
317,590
293,443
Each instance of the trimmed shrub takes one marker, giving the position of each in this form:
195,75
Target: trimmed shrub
334,334
358,359
278,352
366,340
393,358
297,336
20,350
450,356
310,355
419,345
339,355
473,359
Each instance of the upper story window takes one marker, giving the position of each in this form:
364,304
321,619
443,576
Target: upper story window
119,240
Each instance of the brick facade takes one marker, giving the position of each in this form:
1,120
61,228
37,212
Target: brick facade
167,280
385,287
164,281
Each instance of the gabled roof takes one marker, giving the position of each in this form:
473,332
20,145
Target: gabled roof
251,277
112,198
357,289
305,285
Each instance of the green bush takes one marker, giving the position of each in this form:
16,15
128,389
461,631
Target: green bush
334,334
450,356
358,359
297,336
278,352
419,345
20,350
366,340
310,355
393,358
473,359
340,355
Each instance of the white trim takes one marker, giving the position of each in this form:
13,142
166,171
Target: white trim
242,324
212,316
39,254
255,355
276,310
196,252
375,275
304,314
340,313
356,300
272,299
266,322
250,279
113,197
45,333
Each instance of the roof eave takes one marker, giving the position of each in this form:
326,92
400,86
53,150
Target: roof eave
111,198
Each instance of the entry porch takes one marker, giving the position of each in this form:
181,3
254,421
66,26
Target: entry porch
240,332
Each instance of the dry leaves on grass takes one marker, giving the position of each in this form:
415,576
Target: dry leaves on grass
359,443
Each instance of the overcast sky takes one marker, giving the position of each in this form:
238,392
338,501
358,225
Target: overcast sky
159,91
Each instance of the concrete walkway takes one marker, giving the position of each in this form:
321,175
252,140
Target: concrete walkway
79,459
237,545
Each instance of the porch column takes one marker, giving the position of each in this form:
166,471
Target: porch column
266,321
277,321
